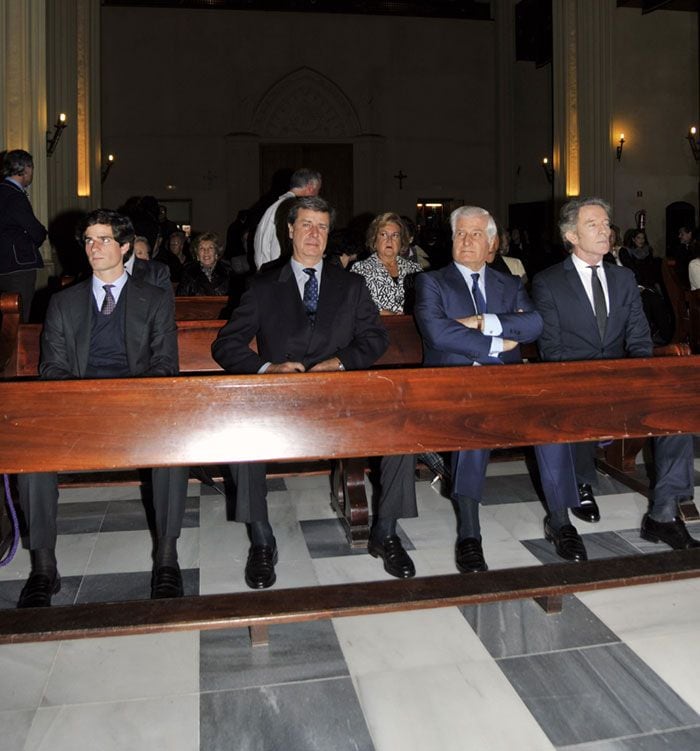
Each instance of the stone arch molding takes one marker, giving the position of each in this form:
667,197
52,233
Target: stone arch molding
305,105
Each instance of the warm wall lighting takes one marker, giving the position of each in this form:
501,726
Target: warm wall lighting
694,143
548,170
106,170
52,139
621,143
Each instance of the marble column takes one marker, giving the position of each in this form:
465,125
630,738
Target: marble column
582,70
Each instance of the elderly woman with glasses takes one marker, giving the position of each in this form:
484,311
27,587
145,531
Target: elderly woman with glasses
209,274
389,276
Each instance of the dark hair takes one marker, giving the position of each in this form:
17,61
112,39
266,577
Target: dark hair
312,203
303,176
15,162
630,234
122,228
342,242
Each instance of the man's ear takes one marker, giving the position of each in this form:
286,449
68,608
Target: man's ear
291,229
124,248
571,236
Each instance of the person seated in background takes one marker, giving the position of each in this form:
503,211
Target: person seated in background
174,255
389,276
342,249
686,251
142,248
499,260
413,251
615,240
209,274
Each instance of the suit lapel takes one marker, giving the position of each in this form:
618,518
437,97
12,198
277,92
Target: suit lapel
459,289
81,316
493,283
135,328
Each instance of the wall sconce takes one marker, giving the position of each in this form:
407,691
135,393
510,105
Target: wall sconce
548,170
52,139
694,143
621,143
110,163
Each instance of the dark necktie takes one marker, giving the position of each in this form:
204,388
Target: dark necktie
108,304
601,310
311,294
478,297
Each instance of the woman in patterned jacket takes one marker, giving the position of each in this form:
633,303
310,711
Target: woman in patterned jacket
389,276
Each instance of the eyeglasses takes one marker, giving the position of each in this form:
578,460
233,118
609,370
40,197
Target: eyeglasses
386,235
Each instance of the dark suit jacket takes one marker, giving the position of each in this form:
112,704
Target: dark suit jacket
443,296
150,333
347,323
21,233
570,329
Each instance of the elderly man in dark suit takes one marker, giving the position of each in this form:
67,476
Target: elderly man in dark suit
592,311
21,233
308,316
469,314
108,326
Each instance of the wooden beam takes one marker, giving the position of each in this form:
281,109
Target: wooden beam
260,609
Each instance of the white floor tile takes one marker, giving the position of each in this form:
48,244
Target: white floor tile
450,707
164,724
124,668
24,671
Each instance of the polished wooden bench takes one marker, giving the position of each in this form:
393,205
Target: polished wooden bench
48,426
203,308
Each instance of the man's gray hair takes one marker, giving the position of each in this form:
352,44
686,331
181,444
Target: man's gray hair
302,177
466,212
568,216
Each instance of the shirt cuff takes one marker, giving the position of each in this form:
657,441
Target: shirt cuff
491,325
496,346
264,367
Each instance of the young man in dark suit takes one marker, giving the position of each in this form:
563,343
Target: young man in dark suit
308,315
469,314
592,311
108,326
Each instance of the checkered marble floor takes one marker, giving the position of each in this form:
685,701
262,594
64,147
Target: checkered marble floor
615,671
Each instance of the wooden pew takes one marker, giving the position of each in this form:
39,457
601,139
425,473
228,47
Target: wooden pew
47,426
20,342
202,308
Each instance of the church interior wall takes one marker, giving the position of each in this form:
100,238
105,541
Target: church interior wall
426,86
655,100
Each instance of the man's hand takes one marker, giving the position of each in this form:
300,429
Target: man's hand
333,363
509,344
470,322
286,367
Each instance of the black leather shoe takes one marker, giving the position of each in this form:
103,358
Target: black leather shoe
469,556
587,510
260,568
37,592
396,560
166,582
567,541
674,533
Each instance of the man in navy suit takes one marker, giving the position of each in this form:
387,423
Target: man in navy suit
308,315
108,326
592,311
469,314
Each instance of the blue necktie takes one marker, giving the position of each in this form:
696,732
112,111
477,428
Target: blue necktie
599,306
311,294
478,297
